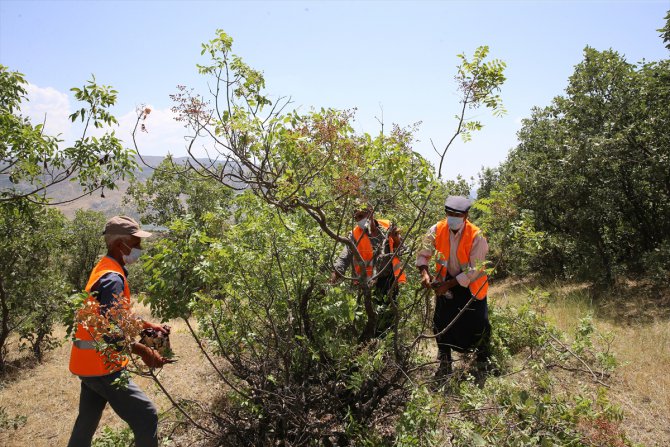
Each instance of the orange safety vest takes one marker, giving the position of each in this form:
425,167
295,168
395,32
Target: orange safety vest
365,249
85,360
478,287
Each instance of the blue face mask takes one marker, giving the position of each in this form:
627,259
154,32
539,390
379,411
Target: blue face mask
132,257
455,223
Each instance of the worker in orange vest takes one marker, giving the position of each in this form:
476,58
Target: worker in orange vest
108,286
379,244
460,250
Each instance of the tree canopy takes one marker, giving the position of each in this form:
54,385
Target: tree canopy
590,177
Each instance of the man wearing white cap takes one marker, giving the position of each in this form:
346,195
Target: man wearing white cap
108,286
460,250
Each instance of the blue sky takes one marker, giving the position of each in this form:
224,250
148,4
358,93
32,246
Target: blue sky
399,56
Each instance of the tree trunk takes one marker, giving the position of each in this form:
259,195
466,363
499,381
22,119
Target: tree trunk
37,345
4,323
371,324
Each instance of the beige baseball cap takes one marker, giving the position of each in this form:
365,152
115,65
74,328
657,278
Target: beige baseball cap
124,225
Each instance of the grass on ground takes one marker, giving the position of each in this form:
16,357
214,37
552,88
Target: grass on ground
640,322
47,394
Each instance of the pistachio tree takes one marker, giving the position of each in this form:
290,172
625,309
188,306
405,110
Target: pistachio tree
32,283
250,281
84,242
313,162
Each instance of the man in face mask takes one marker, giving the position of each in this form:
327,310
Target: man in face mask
109,287
460,250
378,243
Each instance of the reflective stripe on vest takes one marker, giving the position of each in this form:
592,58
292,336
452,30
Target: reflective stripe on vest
85,360
479,286
84,344
364,247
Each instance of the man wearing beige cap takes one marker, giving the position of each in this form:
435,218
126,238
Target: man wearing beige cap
108,286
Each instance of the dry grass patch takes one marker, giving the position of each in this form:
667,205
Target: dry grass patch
641,327
642,387
48,395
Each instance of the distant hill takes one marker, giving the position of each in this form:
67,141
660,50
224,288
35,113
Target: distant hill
110,205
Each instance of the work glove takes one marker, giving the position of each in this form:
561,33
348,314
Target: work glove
149,356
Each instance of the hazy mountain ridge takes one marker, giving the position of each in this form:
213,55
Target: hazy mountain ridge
111,204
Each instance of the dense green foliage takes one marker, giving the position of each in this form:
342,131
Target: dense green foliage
586,193
30,273
84,244
43,258
173,191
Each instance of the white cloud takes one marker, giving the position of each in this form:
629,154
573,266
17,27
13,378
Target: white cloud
163,134
48,105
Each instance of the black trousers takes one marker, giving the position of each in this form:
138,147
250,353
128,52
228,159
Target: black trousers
472,330
385,292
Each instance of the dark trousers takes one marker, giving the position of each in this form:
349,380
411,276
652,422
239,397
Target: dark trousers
130,403
385,292
472,330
